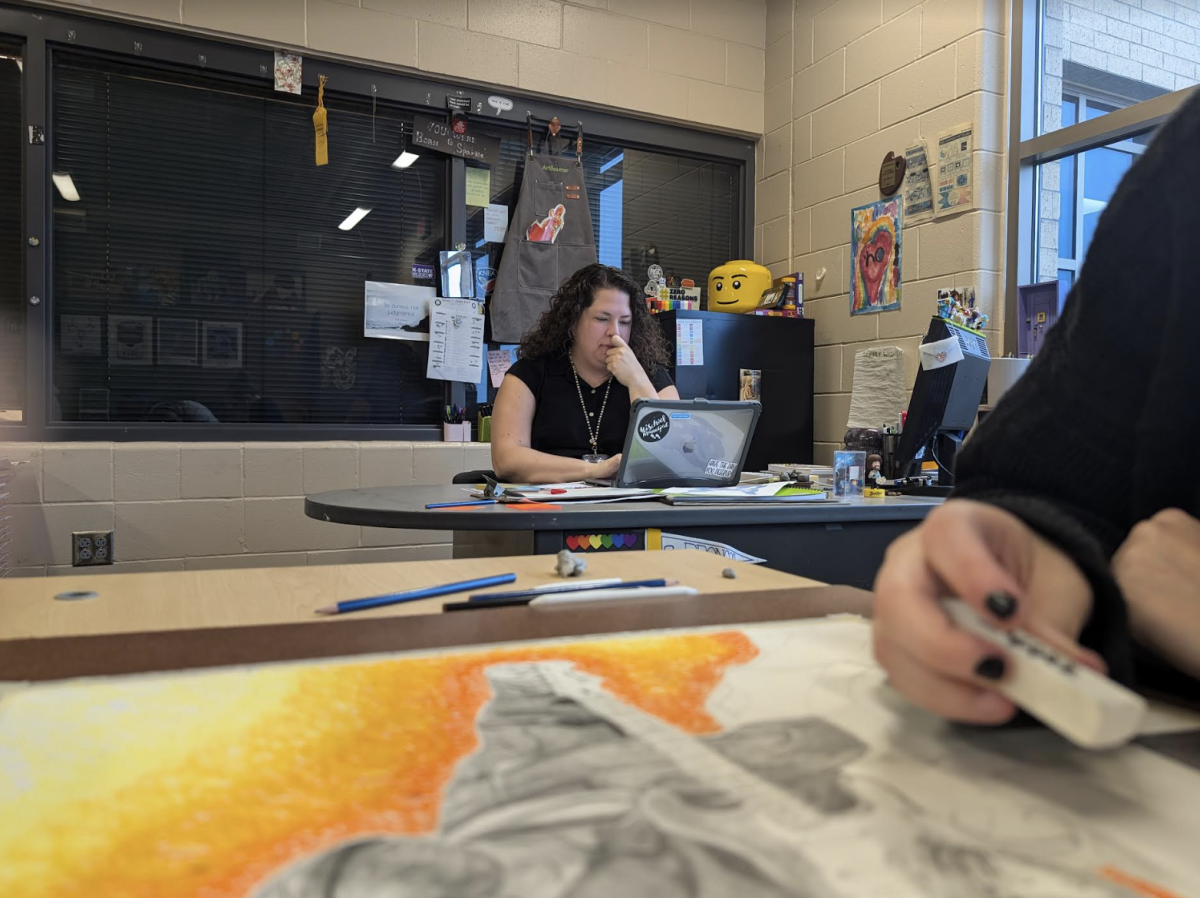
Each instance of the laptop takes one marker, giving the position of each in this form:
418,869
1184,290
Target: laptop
685,442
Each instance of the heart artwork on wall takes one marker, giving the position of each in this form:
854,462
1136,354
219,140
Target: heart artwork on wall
875,251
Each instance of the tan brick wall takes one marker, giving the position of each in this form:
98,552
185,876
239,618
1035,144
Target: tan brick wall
176,506
845,81
695,61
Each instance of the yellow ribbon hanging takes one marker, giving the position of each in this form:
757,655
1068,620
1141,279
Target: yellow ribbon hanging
321,124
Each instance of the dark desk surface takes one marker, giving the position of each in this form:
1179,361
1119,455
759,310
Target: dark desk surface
404,507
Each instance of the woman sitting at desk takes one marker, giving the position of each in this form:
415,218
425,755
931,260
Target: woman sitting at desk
562,411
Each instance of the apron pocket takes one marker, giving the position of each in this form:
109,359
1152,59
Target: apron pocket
537,265
544,212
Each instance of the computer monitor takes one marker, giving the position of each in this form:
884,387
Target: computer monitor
943,405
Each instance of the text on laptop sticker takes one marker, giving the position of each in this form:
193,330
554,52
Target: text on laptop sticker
718,468
653,427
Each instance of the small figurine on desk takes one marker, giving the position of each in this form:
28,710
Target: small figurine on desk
874,469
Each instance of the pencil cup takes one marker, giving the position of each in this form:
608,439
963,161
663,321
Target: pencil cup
457,433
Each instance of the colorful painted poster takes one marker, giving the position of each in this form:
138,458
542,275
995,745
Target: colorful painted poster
875,257
769,760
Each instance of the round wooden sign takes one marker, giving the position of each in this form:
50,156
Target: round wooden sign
891,173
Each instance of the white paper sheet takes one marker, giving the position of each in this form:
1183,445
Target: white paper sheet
761,489
495,223
954,180
878,396
918,191
396,311
455,340
689,343
499,361
671,541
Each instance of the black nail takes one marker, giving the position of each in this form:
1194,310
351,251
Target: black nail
1001,604
990,668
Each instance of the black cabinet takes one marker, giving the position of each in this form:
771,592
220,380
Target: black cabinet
782,349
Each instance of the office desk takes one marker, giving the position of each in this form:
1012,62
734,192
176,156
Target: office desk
833,543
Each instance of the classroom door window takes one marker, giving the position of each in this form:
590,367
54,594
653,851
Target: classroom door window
12,281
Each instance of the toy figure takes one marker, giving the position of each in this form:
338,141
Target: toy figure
737,286
874,469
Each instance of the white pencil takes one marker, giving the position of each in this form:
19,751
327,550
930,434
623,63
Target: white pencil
614,595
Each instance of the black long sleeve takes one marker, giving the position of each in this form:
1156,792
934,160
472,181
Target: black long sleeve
1100,431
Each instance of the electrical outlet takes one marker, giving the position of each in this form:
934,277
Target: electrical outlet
91,547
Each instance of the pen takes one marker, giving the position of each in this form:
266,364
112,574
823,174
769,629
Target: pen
413,595
462,503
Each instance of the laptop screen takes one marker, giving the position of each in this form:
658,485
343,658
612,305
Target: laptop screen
705,444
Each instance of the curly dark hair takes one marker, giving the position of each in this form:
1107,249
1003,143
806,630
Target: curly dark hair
554,332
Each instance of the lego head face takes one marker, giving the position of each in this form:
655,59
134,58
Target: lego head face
737,286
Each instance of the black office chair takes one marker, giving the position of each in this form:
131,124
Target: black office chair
474,477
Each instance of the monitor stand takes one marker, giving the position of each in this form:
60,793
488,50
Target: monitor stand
943,448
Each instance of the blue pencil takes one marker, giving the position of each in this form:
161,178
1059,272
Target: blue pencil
460,504
413,595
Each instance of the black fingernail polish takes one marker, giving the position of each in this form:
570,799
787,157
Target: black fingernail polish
990,668
1001,604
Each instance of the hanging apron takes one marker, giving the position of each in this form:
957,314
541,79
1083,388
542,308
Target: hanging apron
549,238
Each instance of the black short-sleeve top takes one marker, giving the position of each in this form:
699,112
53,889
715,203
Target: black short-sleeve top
559,427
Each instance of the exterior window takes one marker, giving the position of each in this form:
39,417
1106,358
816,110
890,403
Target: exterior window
1094,80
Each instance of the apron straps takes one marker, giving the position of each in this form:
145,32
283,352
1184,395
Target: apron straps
552,129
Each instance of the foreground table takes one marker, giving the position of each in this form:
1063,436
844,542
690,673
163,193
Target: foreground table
833,543
186,600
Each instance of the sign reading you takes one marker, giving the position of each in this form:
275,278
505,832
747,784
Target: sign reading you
438,136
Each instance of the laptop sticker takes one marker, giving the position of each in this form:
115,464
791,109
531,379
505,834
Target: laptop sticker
718,468
653,427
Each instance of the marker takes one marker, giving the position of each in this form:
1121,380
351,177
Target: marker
569,586
413,595
613,595
527,597
462,504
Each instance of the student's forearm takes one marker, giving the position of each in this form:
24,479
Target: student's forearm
524,465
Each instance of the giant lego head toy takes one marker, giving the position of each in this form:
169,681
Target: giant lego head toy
737,286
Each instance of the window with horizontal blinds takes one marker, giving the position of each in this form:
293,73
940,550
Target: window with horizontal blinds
205,269
647,207
12,286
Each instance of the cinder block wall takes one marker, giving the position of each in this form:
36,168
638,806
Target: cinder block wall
846,82
176,506
689,60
